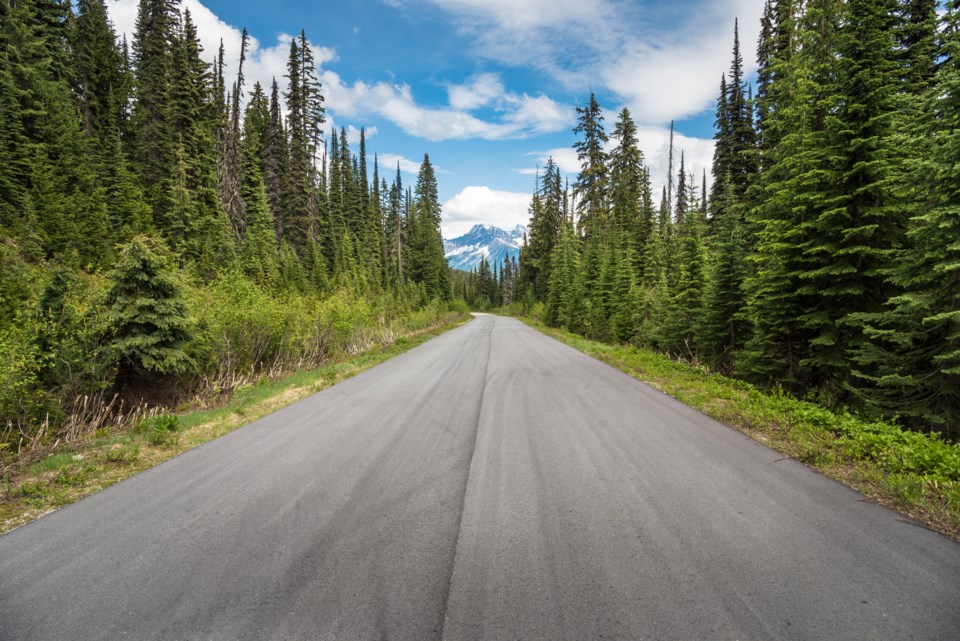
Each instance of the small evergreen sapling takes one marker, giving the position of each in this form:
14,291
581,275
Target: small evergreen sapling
147,313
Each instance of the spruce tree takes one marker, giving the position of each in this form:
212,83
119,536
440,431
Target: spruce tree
853,236
155,144
793,192
626,179
98,64
591,185
147,314
911,365
274,157
563,306
427,263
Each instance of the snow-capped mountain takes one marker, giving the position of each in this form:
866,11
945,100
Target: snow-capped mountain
482,241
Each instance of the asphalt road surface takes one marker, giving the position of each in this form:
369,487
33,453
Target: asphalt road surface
489,484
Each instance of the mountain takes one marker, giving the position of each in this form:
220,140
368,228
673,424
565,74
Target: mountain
465,252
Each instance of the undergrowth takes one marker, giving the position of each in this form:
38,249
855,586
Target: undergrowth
29,489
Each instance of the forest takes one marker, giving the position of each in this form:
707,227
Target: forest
168,231
824,259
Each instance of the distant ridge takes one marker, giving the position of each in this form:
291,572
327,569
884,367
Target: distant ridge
465,252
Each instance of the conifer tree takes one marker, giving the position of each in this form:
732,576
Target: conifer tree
396,233
152,121
679,336
911,365
794,191
427,263
375,239
563,306
147,313
916,31
99,82
274,157
205,237
546,219
305,116
626,179
591,185
626,302
853,235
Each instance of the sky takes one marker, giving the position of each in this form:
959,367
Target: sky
489,88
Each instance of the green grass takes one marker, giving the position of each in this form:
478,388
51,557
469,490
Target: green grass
28,492
915,473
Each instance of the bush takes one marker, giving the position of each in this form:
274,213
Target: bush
24,404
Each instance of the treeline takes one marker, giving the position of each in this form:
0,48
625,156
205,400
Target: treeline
488,286
824,260
139,185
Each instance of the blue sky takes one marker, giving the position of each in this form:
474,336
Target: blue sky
489,87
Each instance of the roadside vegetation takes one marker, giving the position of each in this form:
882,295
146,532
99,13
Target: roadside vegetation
822,258
171,236
52,477
915,473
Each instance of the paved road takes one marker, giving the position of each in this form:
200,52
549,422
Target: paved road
490,484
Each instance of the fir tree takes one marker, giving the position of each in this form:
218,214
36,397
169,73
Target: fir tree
591,185
147,313
155,143
911,365
564,302
98,63
427,263
794,191
626,179
852,237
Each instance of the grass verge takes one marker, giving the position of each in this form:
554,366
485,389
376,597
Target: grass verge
916,474
30,491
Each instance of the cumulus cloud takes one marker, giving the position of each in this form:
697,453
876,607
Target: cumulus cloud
389,162
353,134
655,143
480,205
664,68
525,14
478,91
667,79
524,115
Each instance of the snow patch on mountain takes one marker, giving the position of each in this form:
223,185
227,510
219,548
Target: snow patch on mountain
483,241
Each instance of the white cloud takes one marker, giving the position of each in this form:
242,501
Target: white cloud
353,134
525,14
664,68
388,164
655,143
479,91
663,80
539,114
396,103
480,205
